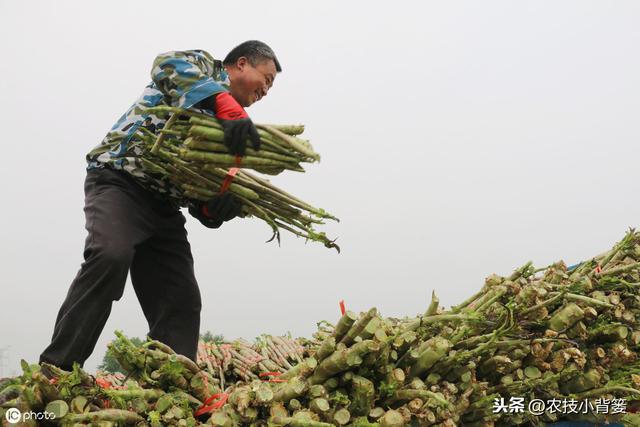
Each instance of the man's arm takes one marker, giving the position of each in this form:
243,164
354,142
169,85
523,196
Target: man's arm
186,77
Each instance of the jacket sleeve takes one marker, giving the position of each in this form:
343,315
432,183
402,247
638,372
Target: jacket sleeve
186,77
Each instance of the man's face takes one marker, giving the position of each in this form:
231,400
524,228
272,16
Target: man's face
250,84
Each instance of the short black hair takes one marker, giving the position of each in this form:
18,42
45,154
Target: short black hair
255,51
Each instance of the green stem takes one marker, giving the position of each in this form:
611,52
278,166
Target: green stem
542,304
585,299
620,269
468,301
291,141
162,136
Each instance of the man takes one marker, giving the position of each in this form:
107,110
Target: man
132,217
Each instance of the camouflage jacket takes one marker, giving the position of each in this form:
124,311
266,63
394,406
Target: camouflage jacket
178,79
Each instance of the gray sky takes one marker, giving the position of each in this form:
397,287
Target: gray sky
458,139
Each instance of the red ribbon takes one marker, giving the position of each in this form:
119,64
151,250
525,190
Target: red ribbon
203,409
230,175
106,384
103,383
272,374
342,309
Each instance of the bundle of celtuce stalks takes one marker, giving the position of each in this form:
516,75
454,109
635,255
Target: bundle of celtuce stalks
199,137
554,334
241,360
189,152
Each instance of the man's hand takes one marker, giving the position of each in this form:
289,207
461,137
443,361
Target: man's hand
224,207
219,209
236,124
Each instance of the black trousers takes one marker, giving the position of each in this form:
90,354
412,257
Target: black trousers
130,230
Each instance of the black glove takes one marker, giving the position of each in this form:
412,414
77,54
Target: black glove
236,124
236,133
219,209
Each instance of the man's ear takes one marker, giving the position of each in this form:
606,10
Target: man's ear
241,63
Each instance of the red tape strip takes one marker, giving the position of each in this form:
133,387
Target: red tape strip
272,374
230,175
103,383
269,374
342,309
203,409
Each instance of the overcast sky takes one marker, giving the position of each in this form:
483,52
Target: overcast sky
458,139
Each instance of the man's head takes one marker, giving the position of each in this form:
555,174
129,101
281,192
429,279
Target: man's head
252,67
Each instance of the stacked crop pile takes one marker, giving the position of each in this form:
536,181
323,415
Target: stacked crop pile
552,333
